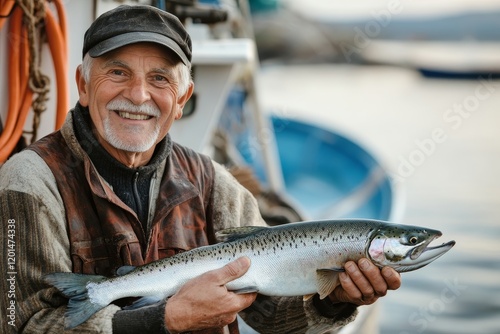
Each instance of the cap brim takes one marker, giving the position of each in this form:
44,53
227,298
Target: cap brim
115,42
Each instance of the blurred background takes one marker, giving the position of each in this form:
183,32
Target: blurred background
417,84
366,108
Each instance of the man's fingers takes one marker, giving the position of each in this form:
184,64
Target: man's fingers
204,301
392,278
347,291
232,270
359,281
364,283
244,300
372,274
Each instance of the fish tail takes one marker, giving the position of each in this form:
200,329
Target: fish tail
74,287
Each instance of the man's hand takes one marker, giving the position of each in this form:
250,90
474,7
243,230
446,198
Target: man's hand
204,302
363,283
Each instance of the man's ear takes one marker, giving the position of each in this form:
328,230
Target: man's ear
182,100
81,84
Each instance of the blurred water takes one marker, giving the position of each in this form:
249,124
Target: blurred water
440,139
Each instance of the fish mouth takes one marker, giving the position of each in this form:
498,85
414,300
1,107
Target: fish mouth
422,255
423,247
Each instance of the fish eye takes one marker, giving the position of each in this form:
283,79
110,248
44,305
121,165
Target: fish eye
413,240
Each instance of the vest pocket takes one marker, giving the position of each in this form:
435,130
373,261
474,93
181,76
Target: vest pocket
91,260
104,257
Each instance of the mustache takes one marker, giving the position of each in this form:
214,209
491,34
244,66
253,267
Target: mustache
125,105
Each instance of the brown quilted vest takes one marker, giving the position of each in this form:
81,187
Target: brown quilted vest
105,234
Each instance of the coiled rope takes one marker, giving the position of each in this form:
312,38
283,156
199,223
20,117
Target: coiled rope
31,23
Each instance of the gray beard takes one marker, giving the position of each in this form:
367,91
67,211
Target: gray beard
149,139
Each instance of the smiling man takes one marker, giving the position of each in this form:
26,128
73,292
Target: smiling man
111,188
134,94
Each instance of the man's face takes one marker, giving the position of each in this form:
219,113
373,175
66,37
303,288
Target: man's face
133,99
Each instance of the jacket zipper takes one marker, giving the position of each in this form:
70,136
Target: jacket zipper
137,197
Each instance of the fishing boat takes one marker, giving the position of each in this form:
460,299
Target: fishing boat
297,170
459,60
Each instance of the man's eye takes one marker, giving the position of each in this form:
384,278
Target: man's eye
118,72
159,78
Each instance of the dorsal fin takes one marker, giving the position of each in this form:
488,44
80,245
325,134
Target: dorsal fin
231,234
124,270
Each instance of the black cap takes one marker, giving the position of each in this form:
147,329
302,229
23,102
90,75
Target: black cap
125,25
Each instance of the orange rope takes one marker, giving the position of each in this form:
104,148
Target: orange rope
56,35
61,14
20,95
5,10
15,34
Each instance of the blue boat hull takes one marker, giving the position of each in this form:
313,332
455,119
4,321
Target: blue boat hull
329,175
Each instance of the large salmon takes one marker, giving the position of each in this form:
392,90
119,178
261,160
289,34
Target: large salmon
297,259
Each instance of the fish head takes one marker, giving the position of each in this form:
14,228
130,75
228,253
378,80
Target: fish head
405,248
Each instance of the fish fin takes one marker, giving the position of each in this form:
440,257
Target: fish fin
307,297
336,269
144,301
124,270
326,280
235,233
319,329
74,287
248,289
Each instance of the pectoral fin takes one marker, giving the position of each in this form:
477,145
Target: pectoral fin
307,297
248,289
144,301
326,281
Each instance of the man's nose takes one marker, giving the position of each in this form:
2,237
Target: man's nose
138,91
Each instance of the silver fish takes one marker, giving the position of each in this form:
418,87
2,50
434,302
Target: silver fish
297,259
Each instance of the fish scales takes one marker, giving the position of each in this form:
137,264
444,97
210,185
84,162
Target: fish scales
273,254
287,260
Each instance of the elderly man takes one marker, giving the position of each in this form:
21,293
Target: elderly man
111,188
